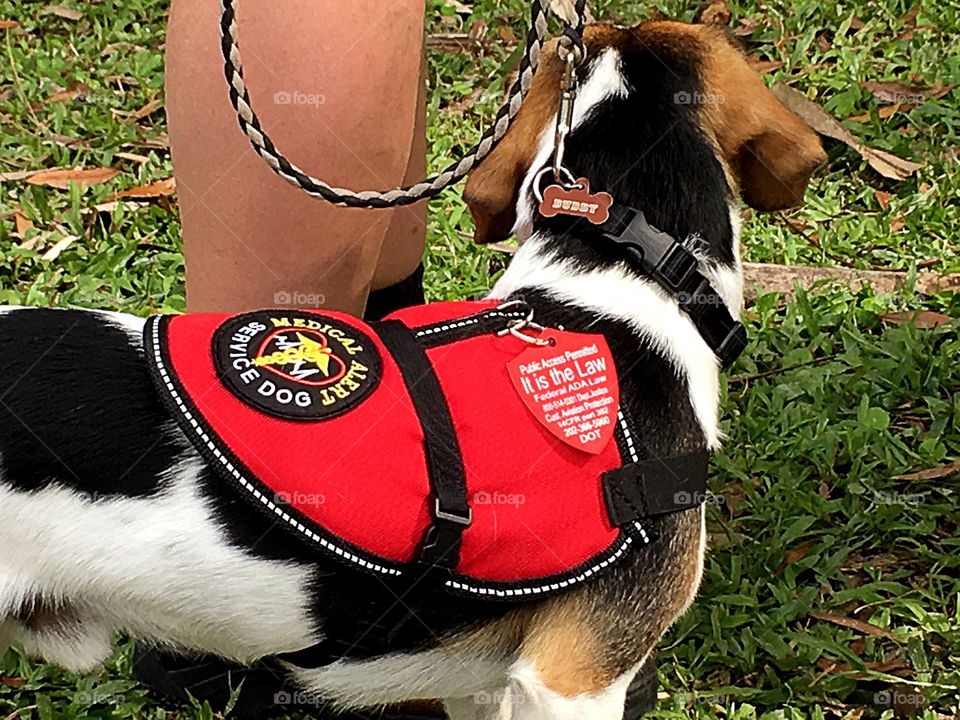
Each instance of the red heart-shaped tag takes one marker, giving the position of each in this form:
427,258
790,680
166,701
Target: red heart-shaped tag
571,387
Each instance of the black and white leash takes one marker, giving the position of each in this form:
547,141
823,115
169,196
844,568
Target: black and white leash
264,146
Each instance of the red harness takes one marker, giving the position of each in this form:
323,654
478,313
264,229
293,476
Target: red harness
320,424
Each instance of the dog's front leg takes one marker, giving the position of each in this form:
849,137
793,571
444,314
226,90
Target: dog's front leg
530,697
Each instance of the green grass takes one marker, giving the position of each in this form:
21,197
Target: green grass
827,407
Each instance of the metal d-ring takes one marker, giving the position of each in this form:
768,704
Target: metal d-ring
516,327
510,304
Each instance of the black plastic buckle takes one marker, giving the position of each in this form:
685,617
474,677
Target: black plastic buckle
441,543
677,267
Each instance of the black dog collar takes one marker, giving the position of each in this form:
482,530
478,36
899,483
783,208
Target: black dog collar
677,271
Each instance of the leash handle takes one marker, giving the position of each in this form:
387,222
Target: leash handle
429,187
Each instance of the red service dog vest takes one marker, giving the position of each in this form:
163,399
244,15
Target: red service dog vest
346,432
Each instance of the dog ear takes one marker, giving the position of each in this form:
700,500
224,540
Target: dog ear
493,188
770,150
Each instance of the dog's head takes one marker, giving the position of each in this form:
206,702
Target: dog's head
671,119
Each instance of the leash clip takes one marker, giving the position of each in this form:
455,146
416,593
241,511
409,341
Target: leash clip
568,97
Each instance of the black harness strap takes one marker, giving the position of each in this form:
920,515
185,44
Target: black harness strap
653,487
676,269
451,509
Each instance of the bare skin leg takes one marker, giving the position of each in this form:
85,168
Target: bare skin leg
338,86
403,246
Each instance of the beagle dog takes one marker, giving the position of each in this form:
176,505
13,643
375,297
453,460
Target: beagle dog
112,520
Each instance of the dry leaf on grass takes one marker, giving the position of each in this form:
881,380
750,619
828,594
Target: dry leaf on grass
109,207
122,80
716,12
22,223
899,93
884,113
764,66
18,175
30,244
936,473
8,24
62,177
796,555
897,666
140,114
132,157
63,12
458,7
454,43
160,188
921,318
148,109
887,164
904,98
465,104
478,29
883,198
76,91
747,26
504,247
160,142
12,681
853,624
122,45
61,245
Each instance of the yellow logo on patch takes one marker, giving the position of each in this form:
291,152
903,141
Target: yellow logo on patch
308,350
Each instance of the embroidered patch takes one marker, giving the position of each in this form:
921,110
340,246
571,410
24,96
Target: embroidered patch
294,364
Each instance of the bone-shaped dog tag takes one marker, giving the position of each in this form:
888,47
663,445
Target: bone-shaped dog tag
576,201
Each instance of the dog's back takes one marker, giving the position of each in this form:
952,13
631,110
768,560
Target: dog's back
70,379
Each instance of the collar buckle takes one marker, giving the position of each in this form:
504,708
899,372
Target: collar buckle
668,260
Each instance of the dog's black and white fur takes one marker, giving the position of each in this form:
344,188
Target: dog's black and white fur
109,519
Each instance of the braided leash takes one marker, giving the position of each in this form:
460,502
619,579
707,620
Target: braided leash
264,146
